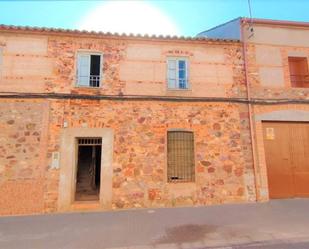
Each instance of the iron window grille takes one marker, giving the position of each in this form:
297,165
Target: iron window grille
180,156
89,141
299,80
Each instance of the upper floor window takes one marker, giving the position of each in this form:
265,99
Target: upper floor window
89,69
299,71
180,156
177,73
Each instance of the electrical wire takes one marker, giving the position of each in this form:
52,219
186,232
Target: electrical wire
250,11
254,101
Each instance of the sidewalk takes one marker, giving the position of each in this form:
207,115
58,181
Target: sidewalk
275,224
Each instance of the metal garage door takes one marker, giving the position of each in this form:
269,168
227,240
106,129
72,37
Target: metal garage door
287,158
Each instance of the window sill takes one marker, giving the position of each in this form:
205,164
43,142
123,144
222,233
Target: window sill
88,87
182,183
178,90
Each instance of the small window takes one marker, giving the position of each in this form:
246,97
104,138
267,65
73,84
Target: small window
177,73
89,70
180,156
298,71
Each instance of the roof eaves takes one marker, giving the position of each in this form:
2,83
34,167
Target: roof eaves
275,22
109,34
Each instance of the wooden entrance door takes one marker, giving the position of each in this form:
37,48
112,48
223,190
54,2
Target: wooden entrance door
287,158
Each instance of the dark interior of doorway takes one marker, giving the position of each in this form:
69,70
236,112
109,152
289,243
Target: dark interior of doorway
88,173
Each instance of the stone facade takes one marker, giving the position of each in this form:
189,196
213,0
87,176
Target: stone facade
136,113
139,158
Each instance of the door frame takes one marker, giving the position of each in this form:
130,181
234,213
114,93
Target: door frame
68,165
77,147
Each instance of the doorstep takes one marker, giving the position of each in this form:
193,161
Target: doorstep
85,205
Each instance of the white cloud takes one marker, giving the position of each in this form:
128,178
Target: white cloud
129,17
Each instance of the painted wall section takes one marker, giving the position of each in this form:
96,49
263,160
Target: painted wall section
268,54
210,69
25,64
281,35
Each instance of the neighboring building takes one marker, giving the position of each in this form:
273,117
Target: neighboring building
94,121
228,30
276,58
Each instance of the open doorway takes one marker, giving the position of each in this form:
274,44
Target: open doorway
88,169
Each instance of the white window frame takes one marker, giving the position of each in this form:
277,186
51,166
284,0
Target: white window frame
88,53
177,59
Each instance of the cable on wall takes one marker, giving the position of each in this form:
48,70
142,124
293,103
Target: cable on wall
254,101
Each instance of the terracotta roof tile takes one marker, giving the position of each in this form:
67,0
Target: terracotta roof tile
4,27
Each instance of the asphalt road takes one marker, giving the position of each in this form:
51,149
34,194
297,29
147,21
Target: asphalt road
275,225
269,245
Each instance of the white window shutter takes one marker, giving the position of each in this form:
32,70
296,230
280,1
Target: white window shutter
83,69
172,73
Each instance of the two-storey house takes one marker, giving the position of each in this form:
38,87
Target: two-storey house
93,121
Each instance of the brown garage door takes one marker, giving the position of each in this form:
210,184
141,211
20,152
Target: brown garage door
287,158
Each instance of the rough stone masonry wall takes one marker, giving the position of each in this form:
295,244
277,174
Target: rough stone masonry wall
23,130
139,163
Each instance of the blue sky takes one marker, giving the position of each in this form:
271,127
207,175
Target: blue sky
182,17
